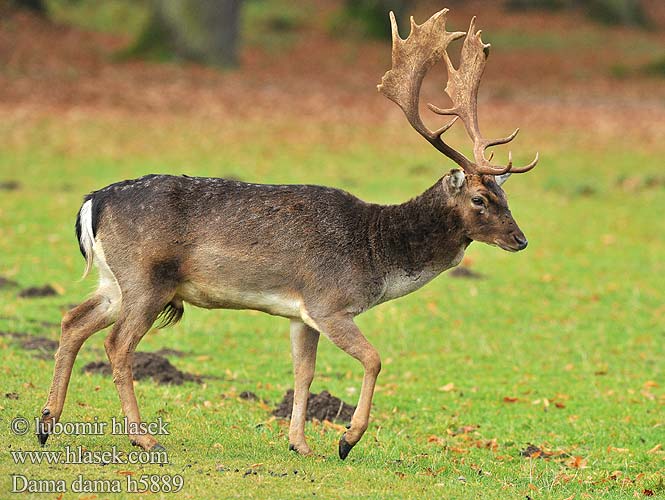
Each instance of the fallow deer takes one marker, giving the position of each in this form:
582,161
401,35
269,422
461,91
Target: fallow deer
316,255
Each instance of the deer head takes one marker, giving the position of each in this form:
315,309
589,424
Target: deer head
475,191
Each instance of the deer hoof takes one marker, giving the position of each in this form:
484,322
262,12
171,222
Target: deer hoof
303,450
42,432
344,447
42,435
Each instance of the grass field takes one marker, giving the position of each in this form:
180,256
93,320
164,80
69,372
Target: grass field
560,346
555,353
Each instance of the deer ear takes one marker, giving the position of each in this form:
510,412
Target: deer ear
500,179
455,179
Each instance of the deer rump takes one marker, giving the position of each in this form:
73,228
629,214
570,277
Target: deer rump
218,243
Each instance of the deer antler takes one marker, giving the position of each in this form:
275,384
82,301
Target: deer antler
413,57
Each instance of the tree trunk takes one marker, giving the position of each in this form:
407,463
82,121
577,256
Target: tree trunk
197,30
36,6
372,15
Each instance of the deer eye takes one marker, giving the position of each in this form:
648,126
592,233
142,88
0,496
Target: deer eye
478,201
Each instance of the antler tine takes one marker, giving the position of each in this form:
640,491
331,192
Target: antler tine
440,131
526,168
488,168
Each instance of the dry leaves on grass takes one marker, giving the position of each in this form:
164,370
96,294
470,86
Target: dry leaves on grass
533,451
576,462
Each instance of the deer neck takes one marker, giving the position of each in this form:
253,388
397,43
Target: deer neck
422,237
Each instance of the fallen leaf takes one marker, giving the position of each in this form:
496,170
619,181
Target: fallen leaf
456,449
435,439
490,444
465,429
655,448
562,478
576,462
510,399
650,383
331,425
448,387
125,473
264,406
533,451
433,473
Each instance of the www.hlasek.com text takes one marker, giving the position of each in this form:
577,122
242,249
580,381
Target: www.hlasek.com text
79,455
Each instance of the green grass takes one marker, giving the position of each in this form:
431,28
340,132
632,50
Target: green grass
114,16
573,327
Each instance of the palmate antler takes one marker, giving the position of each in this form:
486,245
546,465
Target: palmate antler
413,57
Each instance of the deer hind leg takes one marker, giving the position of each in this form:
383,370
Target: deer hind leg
78,325
304,342
136,316
344,333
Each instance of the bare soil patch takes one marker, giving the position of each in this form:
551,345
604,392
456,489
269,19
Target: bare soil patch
10,185
322,406
44,348
248,396
148,365
466,273
7,283
37,291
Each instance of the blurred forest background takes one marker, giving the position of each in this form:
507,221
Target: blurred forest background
321,58
296,57
588,63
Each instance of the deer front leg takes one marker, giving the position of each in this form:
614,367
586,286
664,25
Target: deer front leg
344,333
304,341
133,323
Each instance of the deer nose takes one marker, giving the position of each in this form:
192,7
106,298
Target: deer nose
521,240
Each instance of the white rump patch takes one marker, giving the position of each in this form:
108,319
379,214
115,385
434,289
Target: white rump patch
87,240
